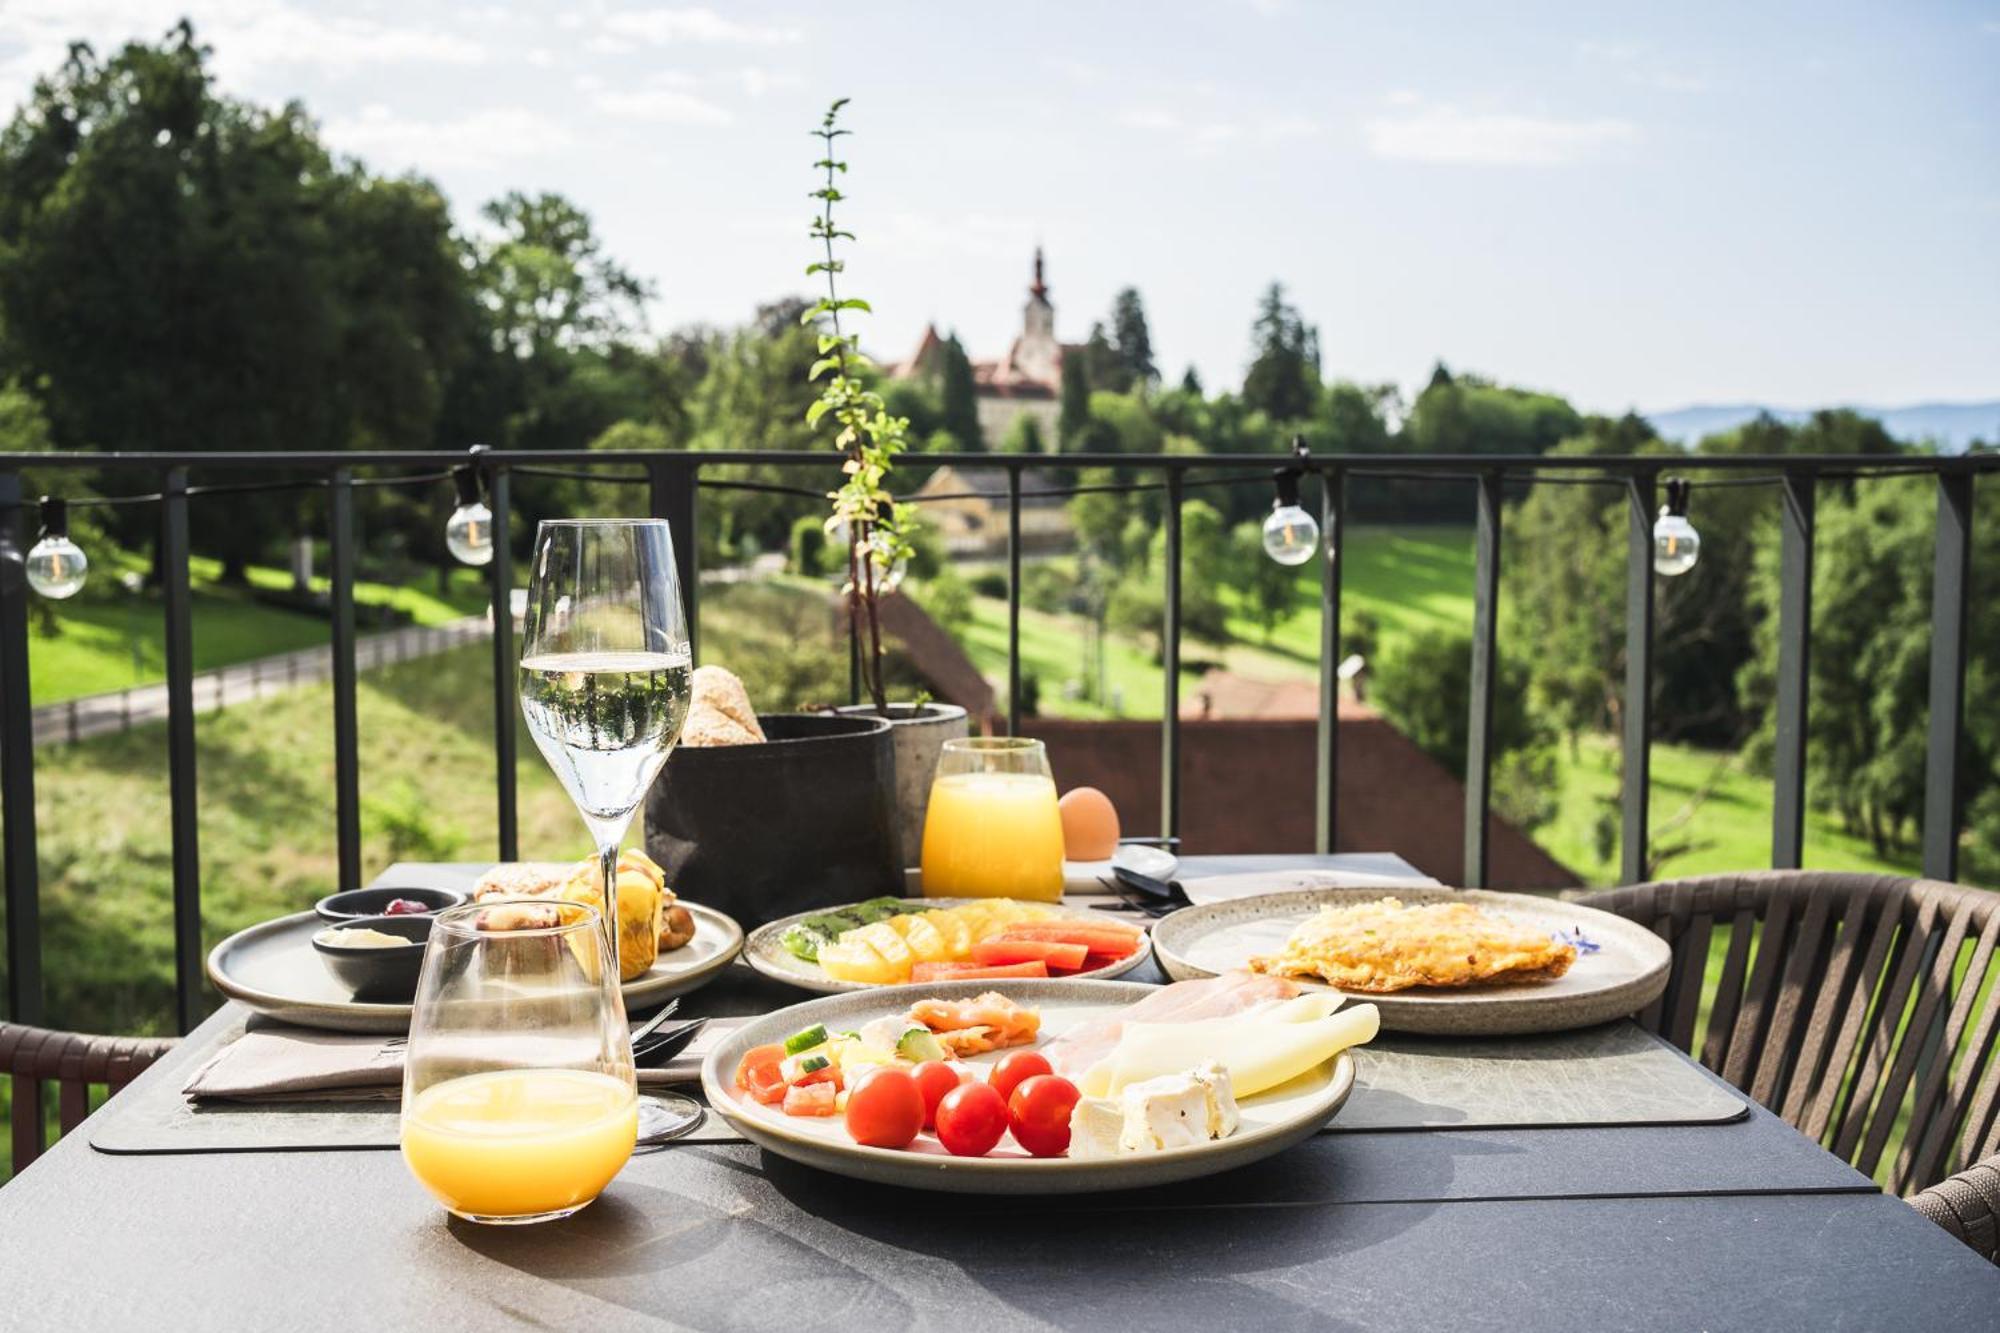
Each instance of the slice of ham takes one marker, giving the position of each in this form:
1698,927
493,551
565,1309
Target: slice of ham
1182,1002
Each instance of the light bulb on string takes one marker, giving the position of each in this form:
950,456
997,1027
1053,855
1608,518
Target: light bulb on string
469,530
1676,545
1291,535
57,566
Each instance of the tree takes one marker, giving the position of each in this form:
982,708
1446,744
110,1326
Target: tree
1424,686
1131,342
547,281
958,394
186,272
1074,413
1024,436
1270,588
1103,367
1191,381
1283,380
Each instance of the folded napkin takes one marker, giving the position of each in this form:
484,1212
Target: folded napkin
273,1063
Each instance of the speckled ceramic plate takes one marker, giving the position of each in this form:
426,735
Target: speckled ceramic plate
765,949
1272,1121
272,969
1625,974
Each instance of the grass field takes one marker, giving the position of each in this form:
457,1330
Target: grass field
108,638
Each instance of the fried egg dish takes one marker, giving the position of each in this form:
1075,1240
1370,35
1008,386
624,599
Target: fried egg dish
1385,945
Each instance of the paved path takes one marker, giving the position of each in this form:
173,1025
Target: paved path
225,687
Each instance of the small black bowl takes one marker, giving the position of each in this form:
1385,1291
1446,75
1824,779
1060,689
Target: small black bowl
353,904
378,973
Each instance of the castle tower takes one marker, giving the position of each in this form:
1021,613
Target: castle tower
1037,355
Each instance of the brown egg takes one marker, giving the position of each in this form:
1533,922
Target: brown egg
1089,823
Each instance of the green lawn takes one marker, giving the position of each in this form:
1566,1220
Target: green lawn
1408,578
1729,830
108,638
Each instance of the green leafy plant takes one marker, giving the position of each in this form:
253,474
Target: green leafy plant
876,527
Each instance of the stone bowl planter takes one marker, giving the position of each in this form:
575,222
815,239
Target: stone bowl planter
805,820
918,733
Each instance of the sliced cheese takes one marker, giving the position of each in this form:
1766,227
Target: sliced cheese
1258,1052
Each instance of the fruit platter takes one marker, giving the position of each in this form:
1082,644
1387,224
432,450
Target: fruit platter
898,941
1040,1086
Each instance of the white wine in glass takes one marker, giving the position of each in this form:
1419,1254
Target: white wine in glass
605,669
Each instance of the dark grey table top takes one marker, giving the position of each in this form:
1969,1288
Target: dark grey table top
1742,1225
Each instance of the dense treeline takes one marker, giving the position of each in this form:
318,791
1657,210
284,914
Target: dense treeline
184,271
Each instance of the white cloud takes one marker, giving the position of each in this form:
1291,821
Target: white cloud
664,105
1153,118
664,27
477,139
1447,134
1632,64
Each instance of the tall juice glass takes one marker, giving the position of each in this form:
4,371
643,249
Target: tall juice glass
992,830
519,1099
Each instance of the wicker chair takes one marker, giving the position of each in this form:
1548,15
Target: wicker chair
73,1062
1806,1020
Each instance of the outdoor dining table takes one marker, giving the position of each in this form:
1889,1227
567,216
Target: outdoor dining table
1741,1224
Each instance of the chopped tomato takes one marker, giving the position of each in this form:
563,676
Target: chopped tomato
830,1073
975,971
1058,957
1108,941
759,1075
811,1099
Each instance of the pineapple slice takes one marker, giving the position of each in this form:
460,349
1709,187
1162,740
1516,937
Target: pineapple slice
849,959
923,938
954,930
886,942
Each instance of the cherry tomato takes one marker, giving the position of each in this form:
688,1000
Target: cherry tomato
934,1079
1014,1067
1039,1111
884,1108
971,1119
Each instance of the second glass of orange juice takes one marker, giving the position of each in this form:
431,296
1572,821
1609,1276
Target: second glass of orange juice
992,830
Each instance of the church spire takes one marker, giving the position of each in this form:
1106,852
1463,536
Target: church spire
1038,288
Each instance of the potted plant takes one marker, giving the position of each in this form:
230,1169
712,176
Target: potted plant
875,526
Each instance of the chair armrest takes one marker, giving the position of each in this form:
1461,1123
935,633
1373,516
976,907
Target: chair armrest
1968,1206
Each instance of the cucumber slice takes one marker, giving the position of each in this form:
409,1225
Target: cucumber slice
803,941
918,1045
806,1040
813,1063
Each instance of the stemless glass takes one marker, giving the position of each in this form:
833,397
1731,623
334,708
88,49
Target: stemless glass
992,829
519,1099
605,674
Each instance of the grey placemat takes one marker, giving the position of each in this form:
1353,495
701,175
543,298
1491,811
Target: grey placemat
1613,1075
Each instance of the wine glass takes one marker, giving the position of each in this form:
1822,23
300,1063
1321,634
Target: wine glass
605,673
519,1099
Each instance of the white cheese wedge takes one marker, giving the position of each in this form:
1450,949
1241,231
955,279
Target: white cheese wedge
1223,1117
1094,1128
1258,1052
1162,1113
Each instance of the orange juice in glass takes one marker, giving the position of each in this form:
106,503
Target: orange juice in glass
519,1098
992,830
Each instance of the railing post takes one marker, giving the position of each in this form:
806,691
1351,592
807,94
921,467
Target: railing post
346,731
1170,653
1013,599
500,575
17,768
1795,562
1951,581
1638,747
671,486
1479,731
1332,513
181,789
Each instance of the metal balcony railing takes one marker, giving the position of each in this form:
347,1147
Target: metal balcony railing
672,480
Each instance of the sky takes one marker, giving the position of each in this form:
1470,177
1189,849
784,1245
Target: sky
1635,206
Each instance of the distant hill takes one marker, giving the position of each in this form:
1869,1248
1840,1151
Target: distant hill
1953,425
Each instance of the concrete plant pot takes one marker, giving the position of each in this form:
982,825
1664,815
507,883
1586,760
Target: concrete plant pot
918,733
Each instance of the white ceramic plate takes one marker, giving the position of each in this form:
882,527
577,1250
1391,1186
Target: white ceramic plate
1272,1121
1223,888
272,968
1626,973
766,952
1084,876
